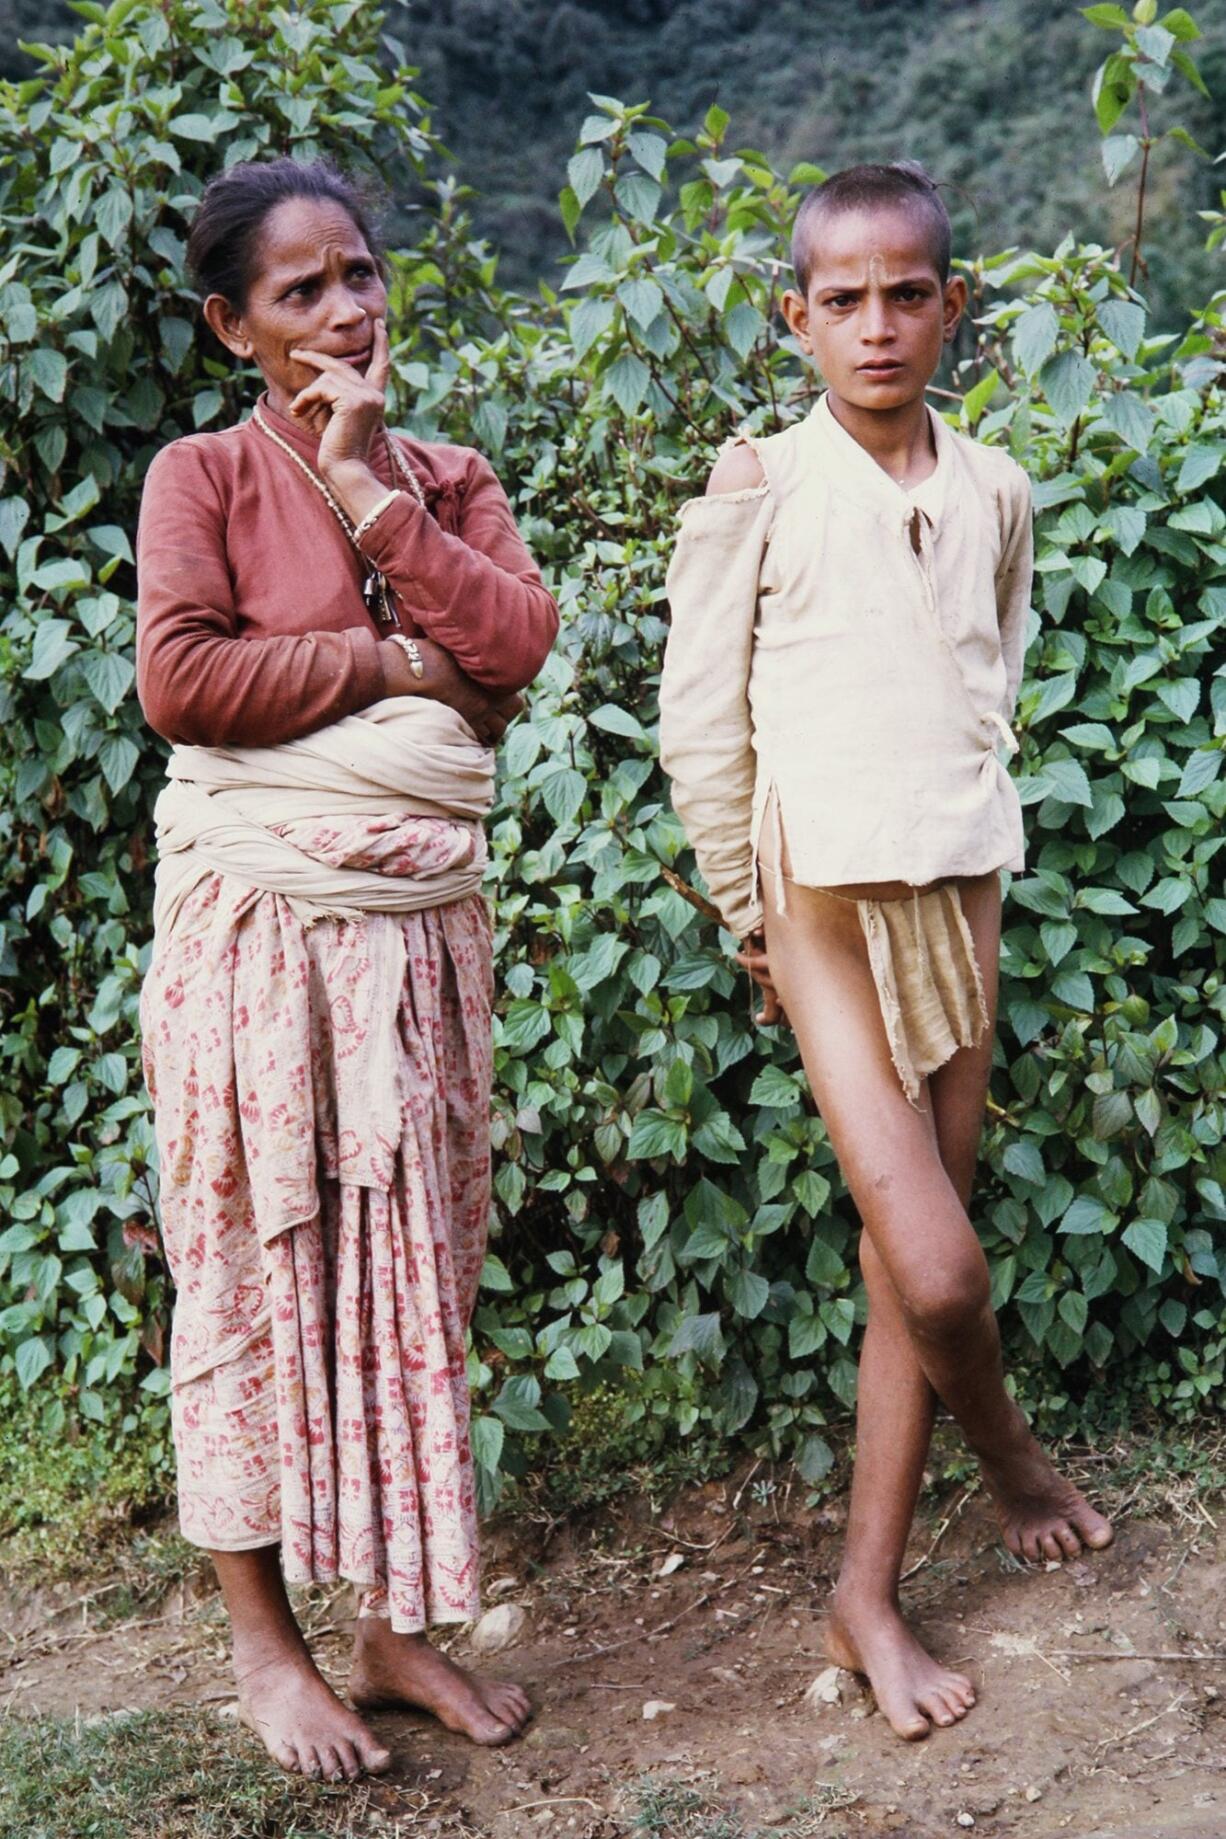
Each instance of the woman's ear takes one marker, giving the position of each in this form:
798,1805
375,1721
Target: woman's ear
227,326
956,297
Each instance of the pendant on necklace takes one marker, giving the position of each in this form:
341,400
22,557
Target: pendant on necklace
378,599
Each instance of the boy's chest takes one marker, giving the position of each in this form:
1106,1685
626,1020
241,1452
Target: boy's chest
836,565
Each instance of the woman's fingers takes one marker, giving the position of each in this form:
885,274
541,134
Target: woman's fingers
320,395
380,367
325,362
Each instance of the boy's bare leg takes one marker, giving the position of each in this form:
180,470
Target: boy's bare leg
913,1213
867,1632
283,1697
1041,1515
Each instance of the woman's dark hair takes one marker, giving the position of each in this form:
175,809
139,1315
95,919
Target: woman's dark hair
222,245
902,185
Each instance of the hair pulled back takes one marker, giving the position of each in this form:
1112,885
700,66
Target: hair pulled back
223,245
901,185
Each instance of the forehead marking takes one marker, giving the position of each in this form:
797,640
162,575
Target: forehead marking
876,269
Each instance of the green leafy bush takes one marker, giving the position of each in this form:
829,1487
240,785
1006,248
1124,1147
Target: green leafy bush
101,162
670,1221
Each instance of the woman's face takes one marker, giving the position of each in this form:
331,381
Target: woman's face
315,286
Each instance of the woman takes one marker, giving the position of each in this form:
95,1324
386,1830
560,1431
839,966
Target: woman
332,626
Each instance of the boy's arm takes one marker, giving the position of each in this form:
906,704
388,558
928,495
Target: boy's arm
706,744
1014,577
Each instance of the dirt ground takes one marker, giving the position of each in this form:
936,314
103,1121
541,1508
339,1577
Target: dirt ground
1102,1684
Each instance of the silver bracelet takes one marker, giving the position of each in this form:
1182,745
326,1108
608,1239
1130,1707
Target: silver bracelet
376,511
411,650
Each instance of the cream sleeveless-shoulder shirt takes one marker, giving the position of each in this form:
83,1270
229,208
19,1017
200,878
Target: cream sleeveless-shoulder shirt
820,666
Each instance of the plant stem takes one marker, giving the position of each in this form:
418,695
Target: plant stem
1145,146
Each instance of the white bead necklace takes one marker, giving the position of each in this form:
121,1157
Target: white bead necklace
375,591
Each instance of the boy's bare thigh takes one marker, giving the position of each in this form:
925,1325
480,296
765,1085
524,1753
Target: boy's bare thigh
959,1089
889,1150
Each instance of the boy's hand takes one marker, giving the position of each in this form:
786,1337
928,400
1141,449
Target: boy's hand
753,956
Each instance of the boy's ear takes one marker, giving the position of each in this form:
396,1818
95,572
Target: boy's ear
956,297
795,310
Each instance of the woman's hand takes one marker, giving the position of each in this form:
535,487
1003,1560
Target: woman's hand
753,956
346,410
443,681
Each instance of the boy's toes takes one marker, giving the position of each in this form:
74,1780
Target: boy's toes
1070,1544
1051,1548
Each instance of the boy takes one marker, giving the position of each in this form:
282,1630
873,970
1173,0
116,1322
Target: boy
848,622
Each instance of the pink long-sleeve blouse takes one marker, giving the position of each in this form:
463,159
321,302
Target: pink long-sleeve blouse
251,627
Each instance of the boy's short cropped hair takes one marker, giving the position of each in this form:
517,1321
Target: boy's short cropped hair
901,185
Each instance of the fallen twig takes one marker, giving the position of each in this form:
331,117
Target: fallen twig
562,1800
662,1628
1080,1653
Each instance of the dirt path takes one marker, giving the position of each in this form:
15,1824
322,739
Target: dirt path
1094,1719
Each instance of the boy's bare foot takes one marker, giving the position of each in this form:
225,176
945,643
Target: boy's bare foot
391,1669
912,1689
1041,1514
299,1719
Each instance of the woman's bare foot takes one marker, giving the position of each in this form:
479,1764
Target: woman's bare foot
299,1719
1041,1515
912,1689
391,1669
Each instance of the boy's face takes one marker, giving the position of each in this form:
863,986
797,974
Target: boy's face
876,314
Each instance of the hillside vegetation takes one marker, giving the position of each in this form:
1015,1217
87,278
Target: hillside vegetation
992,97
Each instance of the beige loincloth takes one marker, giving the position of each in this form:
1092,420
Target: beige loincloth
929,985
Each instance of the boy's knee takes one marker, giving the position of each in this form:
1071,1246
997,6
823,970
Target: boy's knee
943,1303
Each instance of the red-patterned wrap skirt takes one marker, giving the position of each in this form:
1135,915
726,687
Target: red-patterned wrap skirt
324,1200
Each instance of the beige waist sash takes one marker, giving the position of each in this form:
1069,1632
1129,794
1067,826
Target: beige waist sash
402,756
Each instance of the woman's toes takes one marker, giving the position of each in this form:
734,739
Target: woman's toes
511,1705
1096,1531
330,1768
373,1757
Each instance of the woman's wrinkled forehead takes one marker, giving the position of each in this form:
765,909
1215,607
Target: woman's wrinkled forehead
306,234
877,248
